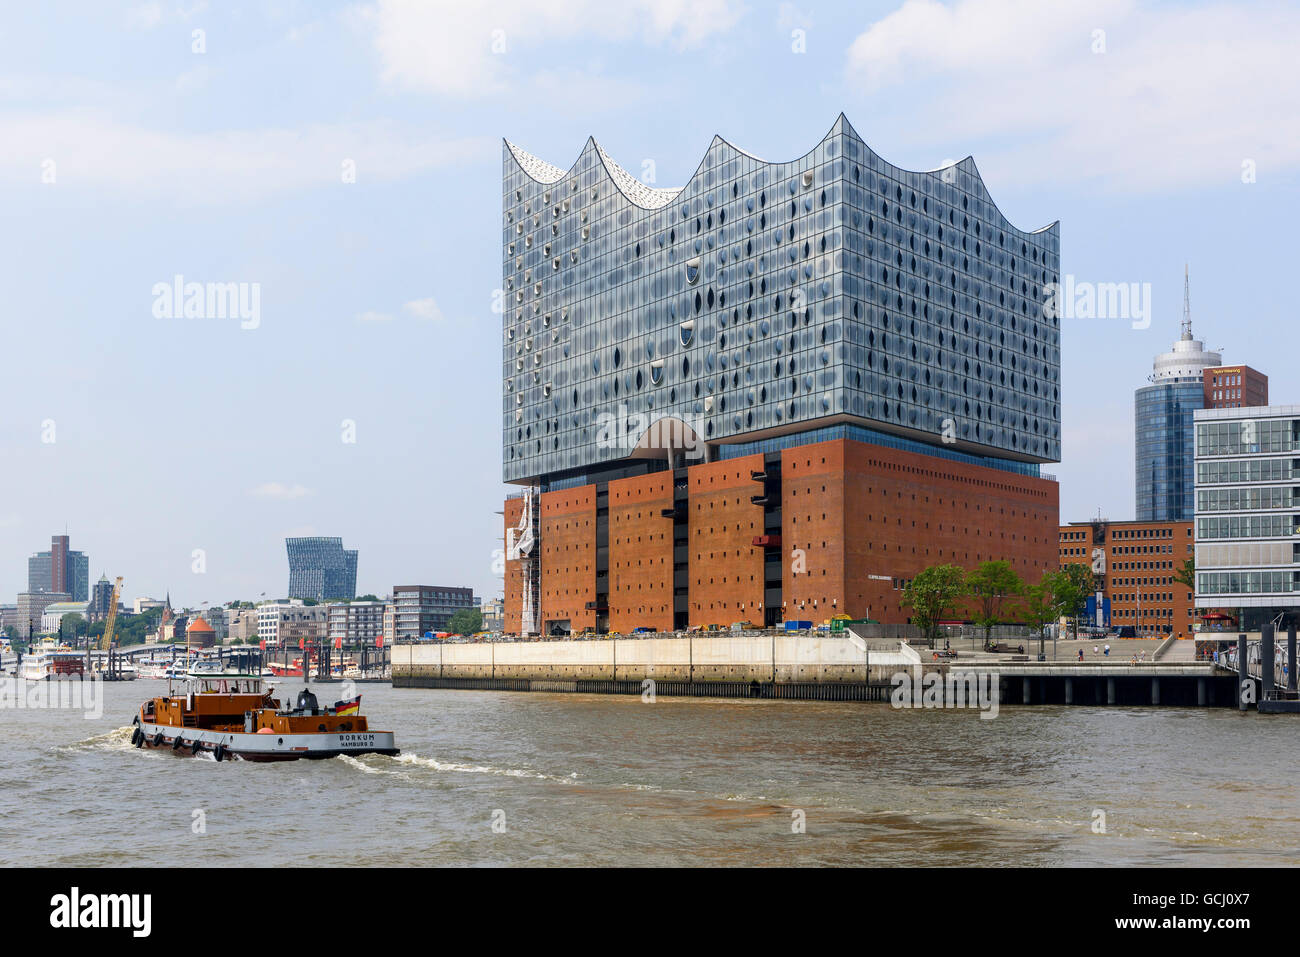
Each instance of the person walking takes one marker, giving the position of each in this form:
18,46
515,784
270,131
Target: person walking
1107,651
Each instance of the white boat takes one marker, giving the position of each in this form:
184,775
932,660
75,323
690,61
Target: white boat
153,667
48,660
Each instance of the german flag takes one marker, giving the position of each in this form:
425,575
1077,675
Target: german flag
348,707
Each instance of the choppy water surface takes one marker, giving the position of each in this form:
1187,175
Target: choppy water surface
587,779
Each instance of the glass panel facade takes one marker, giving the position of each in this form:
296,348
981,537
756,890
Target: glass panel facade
762,296
1164,452
321,568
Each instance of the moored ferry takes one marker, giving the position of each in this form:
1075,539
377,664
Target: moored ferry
234,716
49,660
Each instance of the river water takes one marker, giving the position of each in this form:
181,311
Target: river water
497,778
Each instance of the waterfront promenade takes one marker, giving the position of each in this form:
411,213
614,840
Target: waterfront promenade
839,667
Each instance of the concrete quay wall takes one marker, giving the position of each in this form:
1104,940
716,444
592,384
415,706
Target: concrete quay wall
728,658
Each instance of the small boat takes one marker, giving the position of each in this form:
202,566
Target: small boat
293,670
153,667
234,716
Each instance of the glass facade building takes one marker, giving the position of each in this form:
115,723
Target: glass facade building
762,300
1163,429
1248,513
321,568
75,577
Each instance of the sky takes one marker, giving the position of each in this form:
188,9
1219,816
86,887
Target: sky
342,162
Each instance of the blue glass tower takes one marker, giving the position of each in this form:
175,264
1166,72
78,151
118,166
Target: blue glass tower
1163,427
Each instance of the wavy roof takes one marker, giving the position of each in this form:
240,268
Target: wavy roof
648,197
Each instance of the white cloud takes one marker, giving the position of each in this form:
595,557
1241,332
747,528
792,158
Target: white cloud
280,491
146,16
424,309
466,49
1181,96
91,149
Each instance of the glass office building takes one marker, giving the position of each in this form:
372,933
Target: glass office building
1162,429
764,299
71,574
1248,513
321,568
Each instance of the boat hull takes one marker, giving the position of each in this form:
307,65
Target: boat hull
268,747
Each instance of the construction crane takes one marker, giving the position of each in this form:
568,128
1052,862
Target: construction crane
106,639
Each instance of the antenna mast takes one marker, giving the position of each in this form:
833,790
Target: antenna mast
1187,305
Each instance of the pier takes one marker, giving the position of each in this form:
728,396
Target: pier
825,668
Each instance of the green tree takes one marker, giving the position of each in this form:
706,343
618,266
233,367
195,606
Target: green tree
1186,574
992,584
466,621
1071,587
367,598
72,625
1039,606
932,595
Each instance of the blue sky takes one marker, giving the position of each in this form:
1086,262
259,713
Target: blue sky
133,149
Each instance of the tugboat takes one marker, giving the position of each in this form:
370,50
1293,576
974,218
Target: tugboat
234,716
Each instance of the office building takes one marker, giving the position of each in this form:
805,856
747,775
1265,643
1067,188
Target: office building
355,623
60,570
427,609
241,625
777,392
101,599
287,623
1248,514
321,568
31,608
1134,564
1234,387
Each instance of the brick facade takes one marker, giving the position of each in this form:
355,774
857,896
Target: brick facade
857,522
641,553
726,570
567,545
1140,560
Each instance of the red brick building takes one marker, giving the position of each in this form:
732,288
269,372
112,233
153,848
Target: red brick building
1134,564
1231,387
806,532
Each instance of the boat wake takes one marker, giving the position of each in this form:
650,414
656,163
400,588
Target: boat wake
116,740
411,762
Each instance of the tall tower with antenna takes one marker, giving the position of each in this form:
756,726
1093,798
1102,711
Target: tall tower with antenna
1163,424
